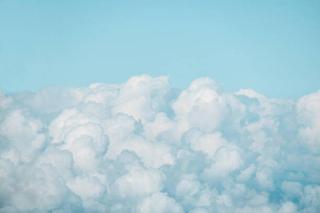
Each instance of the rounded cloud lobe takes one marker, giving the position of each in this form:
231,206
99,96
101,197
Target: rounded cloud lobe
144,146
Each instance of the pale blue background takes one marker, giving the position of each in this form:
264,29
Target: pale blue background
271,46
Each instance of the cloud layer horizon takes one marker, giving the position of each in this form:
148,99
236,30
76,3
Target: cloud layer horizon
145,146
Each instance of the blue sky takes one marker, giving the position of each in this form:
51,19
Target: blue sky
270,46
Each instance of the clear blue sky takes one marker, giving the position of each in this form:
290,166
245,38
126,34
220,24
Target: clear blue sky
271,46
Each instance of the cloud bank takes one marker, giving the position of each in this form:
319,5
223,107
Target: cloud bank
144,146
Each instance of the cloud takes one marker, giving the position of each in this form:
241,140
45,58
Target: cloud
309,115
144,146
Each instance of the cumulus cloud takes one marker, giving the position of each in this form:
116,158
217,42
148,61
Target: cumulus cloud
144,146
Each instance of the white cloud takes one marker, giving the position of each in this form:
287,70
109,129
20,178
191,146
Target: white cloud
158,203
139,182
309,115
141,146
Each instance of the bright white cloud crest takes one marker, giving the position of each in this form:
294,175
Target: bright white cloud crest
144,146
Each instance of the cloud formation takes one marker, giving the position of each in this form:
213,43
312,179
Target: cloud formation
144,146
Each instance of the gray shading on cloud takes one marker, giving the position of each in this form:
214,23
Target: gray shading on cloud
144,146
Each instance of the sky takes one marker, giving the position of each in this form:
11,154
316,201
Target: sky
202,106
269,46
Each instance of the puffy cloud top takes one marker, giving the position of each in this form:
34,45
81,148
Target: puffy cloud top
144,146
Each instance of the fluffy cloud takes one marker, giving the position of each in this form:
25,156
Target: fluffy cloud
143,146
